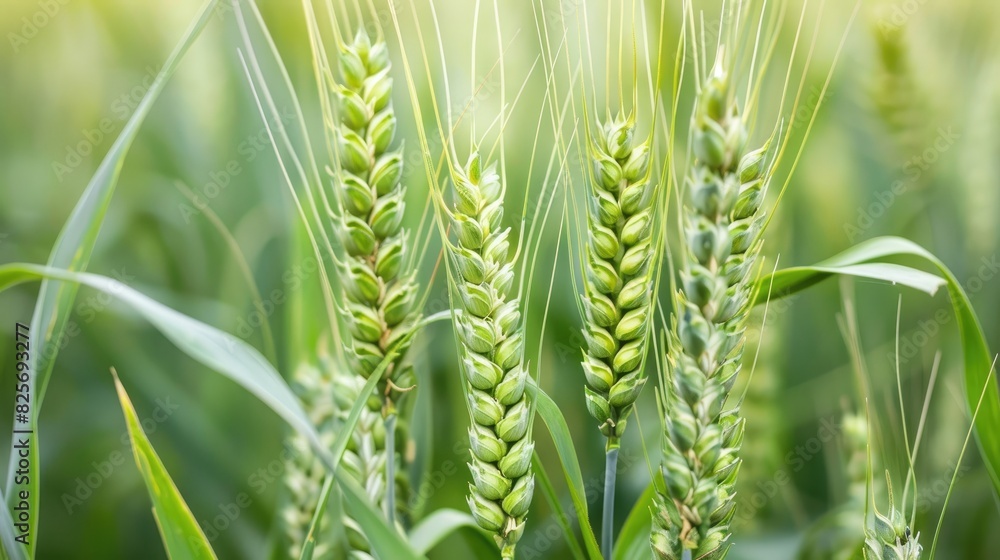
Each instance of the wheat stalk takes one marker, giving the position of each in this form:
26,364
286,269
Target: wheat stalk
491,336
721,229
619,282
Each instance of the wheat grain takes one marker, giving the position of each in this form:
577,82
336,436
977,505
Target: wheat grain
618,284
722,224
489,327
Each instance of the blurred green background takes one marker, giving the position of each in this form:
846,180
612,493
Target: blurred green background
914,102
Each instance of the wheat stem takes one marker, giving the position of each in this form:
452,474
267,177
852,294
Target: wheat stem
607,522
390,470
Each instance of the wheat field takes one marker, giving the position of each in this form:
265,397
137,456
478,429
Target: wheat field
698,279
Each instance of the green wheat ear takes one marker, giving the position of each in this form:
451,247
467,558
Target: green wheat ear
378,297
619,278
888,537
722,226
491,336
379,294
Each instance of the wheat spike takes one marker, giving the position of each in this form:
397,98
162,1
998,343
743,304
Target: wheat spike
722,226
888,537
491,336
618,284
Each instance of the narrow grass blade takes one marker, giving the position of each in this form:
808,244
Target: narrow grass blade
73,249
183,539
553,419
978,360
324,498
550,495
243,364
633,540
440,525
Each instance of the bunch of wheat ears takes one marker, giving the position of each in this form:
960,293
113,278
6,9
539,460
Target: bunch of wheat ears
721,234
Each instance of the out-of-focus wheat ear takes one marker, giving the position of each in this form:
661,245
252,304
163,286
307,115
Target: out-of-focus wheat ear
888,537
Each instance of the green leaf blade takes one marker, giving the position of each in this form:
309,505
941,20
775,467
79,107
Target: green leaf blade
553,419
183,538
72,250
440,525
976,352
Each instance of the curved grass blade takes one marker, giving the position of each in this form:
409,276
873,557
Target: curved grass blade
324,498
216,349
978,360
553,419
72,251
633,539
183,538
790,280
438,526
243,364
